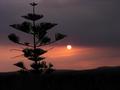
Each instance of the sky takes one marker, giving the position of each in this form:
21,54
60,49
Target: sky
92,28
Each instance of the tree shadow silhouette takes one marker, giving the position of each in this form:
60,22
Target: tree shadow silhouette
38,32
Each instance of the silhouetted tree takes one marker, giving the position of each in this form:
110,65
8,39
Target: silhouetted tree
38,31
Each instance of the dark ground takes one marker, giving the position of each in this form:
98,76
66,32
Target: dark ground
98,79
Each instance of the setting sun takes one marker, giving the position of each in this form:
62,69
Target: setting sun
69,47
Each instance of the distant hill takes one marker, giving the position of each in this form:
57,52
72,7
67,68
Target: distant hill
104,78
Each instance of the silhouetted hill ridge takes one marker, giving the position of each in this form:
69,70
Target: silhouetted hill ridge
104,78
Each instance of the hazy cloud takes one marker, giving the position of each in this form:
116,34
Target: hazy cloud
86,22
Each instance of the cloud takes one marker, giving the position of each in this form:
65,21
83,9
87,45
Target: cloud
86,22
96,23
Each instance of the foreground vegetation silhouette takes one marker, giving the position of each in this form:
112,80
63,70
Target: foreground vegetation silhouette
39,33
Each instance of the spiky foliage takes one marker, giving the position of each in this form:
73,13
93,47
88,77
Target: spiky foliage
38,31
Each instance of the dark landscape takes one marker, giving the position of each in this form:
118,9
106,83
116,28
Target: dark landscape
104,78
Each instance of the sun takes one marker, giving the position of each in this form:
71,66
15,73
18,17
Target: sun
69,47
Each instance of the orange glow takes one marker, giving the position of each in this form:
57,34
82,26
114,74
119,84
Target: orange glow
62,58
60,52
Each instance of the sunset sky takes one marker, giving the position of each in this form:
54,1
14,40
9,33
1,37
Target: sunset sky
92,28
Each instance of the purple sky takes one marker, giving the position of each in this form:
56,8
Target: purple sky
91,24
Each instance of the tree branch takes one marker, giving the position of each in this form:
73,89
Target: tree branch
46,44
25,44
